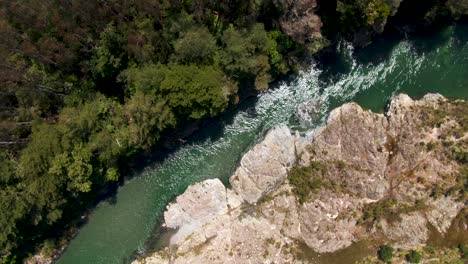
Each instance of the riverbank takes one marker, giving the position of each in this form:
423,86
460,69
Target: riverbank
105,160
143,198
86,95
363,176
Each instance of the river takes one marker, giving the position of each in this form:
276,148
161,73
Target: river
436,62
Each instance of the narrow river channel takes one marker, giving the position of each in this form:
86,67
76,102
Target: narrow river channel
438,63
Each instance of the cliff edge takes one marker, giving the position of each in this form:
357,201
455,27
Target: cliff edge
390,178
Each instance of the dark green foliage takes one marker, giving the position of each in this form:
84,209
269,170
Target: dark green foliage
147,117
463,251
188,90
460,188
429,249
376,10
385,253
388,209
413,257
245,55
458,7
109,57
196,46
308,180
459,154
352,16
375,211
430,146
278,46
91,83
7,169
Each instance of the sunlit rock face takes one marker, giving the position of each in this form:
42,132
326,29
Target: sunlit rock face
265,167
369,159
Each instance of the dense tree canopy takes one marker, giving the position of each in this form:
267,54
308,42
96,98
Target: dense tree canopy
86,85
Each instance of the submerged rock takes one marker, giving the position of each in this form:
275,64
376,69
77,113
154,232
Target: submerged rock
378,176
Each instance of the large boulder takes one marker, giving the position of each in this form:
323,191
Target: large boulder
198,205
265,166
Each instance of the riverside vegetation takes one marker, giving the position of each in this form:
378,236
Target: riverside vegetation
86,86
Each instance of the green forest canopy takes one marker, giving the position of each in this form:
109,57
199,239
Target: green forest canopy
85,85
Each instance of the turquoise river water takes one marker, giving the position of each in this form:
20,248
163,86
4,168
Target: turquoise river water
437,62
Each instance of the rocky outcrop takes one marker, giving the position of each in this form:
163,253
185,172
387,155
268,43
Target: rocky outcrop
197,206
442,212
410,231
356,139
266,166
321,229
379,175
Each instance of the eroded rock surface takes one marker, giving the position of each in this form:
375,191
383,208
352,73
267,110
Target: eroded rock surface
411,230
198,205
442,212
265,167
395,160
356,139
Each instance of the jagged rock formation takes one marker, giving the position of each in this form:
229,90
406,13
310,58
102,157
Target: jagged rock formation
375,177
266,166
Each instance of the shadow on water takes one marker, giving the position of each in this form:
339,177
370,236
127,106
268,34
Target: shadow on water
334,65
193,133
337,60
213,128
461,33
422,41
